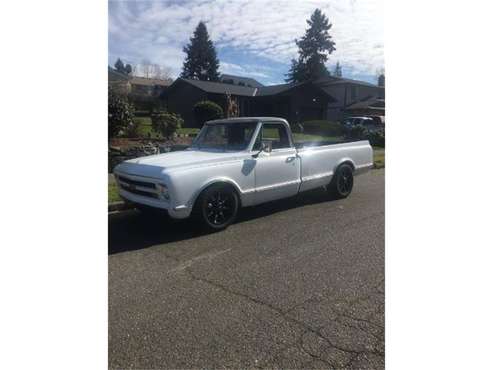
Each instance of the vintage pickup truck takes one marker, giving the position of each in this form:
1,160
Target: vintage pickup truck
235,163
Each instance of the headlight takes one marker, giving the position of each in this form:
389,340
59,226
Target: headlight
162,191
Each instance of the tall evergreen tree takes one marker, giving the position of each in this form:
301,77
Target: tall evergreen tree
201,62
119,66
313,50
338,70
128,69
381,80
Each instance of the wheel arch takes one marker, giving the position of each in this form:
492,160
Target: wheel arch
221,180
347,161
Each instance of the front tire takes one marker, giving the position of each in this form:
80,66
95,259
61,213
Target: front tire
217,207
342,182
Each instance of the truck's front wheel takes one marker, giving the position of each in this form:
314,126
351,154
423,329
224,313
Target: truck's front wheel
217,207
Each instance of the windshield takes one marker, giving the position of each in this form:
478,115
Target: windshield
225,136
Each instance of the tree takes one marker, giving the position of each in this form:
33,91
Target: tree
120,113
128,69
338,70
119,66
201,62
313,50
381,77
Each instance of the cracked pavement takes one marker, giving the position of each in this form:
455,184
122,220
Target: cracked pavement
294,284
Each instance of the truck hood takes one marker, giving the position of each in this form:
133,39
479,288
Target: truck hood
155,165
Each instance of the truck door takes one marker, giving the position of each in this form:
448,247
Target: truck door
277,174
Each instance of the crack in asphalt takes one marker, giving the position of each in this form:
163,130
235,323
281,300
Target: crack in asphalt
353,353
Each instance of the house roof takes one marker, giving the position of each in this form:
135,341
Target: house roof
327,81
220,88
247,81
276,89
368,103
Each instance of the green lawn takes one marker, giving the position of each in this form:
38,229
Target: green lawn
378,157
113,193
145,129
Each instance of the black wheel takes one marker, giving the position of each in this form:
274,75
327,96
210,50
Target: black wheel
342,182
217,207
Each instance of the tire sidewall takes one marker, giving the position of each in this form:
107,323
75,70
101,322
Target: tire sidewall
335,184
202,205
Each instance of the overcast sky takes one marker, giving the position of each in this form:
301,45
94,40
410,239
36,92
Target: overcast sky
253,38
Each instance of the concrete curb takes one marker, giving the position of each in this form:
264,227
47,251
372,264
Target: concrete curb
118,206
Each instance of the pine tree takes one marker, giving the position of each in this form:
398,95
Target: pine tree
128,69
119,66
381,80
313,50
201,62
338,70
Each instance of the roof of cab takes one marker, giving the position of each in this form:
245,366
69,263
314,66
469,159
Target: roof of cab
248,119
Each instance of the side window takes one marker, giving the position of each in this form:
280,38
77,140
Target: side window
276,133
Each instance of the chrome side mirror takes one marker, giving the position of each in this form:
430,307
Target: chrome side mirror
267,146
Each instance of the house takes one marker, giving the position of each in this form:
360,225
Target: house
324,99
143,92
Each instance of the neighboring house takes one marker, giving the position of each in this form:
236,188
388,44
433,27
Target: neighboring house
143,92
347,92
325,99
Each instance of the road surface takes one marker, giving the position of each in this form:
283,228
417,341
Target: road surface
296,283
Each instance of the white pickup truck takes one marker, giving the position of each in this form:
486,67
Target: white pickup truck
235,163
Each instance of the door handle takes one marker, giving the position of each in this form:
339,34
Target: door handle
290,159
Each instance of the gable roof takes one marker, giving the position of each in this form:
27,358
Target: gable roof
276,89
326,81
368,103
247,81
219,87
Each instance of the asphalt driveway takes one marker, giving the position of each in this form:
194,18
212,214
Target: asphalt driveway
297,283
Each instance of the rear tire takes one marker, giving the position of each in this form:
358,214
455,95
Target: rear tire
342,182
217,207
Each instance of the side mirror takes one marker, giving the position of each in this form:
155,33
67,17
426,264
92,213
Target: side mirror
267,146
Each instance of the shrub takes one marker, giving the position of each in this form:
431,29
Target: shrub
357,132
120,113
323,127
133,128
207,110
166,123
377,138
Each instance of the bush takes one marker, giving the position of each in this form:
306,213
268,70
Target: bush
120,113
206,110
133,128
377,138
323,127
166,123
357,132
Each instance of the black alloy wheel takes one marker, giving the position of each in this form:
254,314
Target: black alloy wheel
342,183
218,207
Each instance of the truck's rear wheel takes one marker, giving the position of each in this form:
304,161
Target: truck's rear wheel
217,207
342,182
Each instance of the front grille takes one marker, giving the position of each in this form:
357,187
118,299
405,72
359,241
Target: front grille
138,187
137,183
